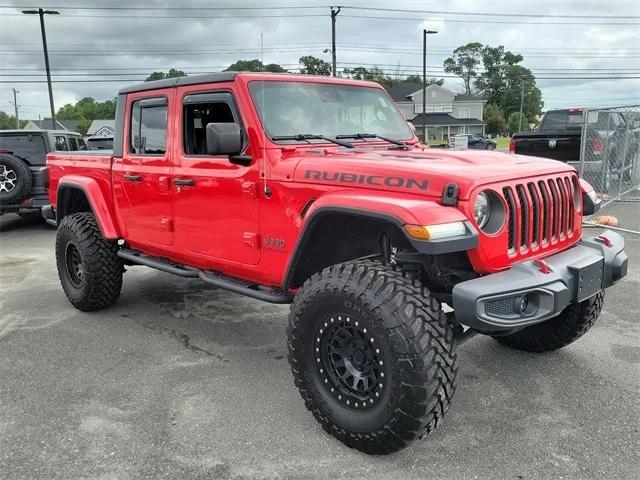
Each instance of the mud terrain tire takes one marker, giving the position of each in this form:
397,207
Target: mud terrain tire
560,331
395,339
88,267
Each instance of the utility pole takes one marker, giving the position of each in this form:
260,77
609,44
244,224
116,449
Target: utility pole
334,13
425,32
521,105
42,13
15,105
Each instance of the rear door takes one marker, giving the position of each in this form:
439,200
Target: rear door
216,202
141,178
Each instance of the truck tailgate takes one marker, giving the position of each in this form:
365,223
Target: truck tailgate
563,146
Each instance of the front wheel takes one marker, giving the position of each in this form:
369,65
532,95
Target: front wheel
88,266
491,146
372,355
560,331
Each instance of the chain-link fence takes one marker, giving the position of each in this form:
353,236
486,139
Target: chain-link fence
610,151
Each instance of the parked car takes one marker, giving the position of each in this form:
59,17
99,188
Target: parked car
478,142
559,137
23,179
100,143
222,178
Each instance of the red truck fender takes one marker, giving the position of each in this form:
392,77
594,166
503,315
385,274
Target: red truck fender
394,210
95,197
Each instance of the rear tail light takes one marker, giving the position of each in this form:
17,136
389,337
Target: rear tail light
512,145
597,145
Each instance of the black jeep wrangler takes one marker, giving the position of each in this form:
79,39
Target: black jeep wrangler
23,175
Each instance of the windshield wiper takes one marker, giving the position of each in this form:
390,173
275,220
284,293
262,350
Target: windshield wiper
311,136
362,136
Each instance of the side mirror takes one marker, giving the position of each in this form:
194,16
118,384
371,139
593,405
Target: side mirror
223,139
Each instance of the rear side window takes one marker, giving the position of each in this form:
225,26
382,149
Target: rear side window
200,110
28,146
73,145
61,143
149,127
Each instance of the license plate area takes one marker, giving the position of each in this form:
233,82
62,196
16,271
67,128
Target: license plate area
588,279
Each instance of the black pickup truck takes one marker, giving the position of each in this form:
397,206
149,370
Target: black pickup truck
559,137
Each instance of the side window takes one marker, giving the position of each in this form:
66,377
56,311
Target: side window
81,144
149,126
73,146
199,110
61,143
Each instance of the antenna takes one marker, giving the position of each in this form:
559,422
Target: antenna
265,187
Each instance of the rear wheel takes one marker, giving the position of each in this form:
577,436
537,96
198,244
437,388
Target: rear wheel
88,266
372,355
491,146
560,331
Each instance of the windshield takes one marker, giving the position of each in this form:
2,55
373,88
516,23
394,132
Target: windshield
330,110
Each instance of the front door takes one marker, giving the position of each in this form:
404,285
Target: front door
215,201
142,177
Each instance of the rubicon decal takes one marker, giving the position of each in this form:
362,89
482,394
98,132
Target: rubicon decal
376,180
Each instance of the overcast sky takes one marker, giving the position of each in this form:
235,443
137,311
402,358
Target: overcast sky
123,46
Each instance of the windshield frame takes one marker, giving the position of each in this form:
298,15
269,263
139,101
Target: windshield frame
331,81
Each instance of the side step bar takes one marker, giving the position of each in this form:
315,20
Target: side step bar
216,279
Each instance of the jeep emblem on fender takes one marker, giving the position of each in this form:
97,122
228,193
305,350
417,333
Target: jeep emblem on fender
552,143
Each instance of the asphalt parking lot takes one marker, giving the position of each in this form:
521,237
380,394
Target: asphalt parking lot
182,381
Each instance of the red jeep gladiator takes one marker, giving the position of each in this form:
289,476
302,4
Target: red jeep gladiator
314,191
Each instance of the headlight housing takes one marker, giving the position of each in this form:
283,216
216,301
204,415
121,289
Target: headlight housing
482,209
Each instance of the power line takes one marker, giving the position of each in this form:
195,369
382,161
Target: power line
316,7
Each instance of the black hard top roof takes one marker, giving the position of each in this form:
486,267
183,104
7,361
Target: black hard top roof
177,81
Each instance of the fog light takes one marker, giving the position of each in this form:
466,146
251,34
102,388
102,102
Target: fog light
524,304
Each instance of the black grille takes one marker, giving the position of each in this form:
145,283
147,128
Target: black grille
502,307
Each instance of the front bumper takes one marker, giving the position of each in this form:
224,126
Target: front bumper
534,291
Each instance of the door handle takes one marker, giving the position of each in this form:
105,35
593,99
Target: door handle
133,178
184,182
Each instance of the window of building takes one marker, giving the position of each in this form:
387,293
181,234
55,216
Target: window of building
61,143
200,110
149,126
464,112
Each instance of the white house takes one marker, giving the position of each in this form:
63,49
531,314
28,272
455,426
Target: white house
447,113
102,128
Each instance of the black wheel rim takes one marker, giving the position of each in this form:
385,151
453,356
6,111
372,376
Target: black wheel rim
349,361
74,265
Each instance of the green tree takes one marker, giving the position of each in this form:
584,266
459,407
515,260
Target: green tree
493,117
464,63
254,65
172,73
430,81
8,122
86,110
515,125
314,66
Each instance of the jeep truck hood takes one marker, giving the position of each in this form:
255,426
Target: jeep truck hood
423,172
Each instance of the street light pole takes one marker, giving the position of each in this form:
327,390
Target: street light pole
42,13
334,14
425,32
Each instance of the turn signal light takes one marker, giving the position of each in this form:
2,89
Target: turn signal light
435,232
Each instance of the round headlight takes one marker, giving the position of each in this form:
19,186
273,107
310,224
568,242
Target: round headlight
482,209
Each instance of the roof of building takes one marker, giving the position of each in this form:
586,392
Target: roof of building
47,124
402,91
437,119
468,98
100,123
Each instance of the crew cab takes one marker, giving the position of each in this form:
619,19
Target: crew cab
22,166
314,191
